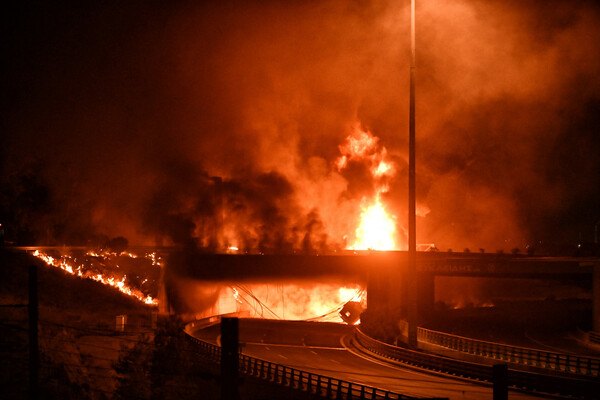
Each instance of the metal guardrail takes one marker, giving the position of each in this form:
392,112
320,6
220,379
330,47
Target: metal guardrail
551,383
314,384
568,363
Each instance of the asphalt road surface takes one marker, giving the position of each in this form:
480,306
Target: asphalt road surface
325,349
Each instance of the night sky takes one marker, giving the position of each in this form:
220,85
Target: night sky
117,116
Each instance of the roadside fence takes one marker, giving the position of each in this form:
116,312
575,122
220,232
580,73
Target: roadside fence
317,385
568,363
553,382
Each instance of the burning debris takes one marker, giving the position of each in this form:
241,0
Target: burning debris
102,267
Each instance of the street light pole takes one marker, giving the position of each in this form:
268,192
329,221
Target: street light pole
412,241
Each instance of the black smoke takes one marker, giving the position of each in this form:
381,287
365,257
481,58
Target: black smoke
183,122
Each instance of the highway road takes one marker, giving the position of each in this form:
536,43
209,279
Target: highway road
325,349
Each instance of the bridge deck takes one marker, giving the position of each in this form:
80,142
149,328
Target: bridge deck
223,266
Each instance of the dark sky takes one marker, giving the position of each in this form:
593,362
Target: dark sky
116,115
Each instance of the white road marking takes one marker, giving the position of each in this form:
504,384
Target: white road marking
556,349
295,345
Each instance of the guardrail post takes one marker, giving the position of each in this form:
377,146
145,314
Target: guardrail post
34,357
521,358
229,359
318,392
338,392
284,377
268,374
349,395
589,367
500,381
299,385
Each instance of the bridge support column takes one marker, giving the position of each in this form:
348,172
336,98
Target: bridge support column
596,298
426,295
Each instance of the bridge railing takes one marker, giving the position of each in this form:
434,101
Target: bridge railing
569,363
315,384
551,383
421,359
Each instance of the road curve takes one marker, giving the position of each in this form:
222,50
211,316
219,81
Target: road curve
320,348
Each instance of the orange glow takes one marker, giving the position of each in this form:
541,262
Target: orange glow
383,168
347,294
232,249
299,301
67,264
377,228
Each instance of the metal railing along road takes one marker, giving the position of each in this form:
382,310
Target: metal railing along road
594,337
569,363
314,384
586,387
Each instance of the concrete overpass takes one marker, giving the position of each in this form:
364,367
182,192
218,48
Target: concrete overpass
385,272
363,264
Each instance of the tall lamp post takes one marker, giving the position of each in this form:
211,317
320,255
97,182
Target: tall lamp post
412,241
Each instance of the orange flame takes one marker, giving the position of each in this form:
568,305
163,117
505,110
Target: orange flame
67,264
376,229
300,301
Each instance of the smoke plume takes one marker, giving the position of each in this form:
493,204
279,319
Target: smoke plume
218,124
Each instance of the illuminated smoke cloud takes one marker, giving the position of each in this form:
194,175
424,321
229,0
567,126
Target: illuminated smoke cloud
119,117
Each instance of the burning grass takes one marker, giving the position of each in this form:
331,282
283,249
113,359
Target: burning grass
77,336
112,269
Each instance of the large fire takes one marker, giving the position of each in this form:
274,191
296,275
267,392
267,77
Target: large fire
314,301
70,265
309,301
377,228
